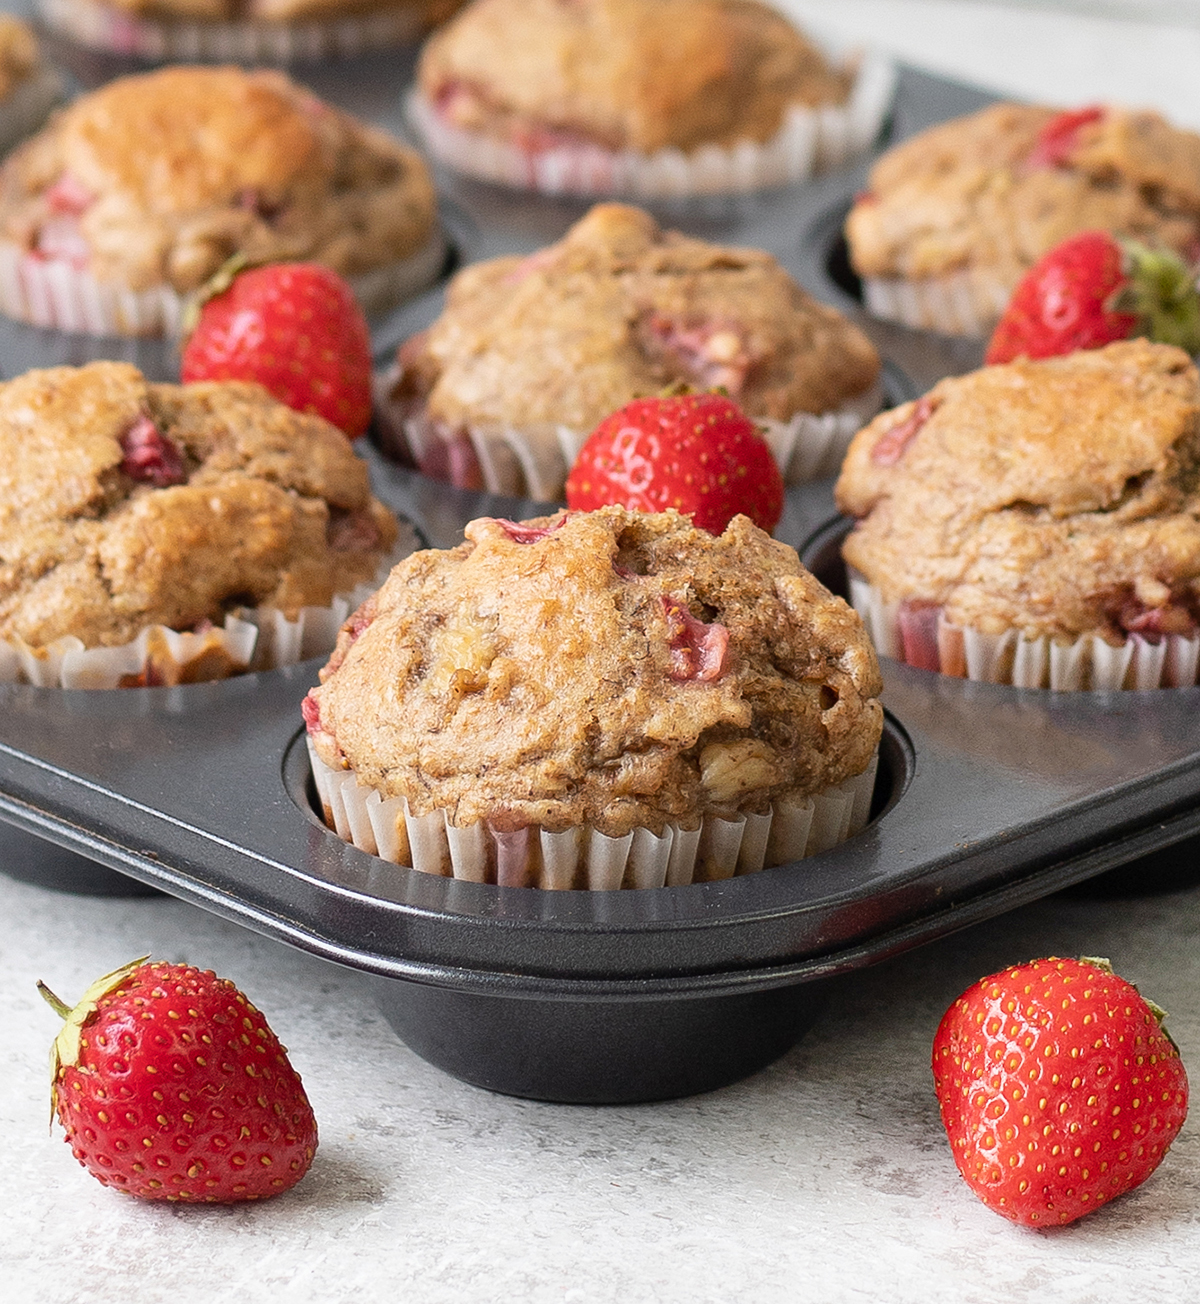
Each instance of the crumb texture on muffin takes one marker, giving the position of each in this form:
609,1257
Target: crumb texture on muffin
159,178
125,504
639,74
619,309
610,668
1056,497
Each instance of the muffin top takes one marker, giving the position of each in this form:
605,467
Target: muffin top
997,189
625,74
1055,497
432,11
18,53
609,667
125,504
161,177
619,309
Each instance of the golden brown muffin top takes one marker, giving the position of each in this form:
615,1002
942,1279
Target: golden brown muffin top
125,504
168,173
638,74
1056,497
609,667
18,53
619,309
431,11
979,192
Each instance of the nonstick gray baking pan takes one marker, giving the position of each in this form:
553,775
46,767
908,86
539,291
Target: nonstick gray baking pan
988,797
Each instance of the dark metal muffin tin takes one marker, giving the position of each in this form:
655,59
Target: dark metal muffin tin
988,797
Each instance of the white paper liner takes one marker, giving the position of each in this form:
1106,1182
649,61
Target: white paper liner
28,106
196,40
52,292
583,857
533,461
961,303
811,140
1086,662
258,638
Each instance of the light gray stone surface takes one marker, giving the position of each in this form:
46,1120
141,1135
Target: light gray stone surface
826,1177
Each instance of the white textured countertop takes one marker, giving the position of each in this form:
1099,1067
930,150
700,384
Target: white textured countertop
824,1178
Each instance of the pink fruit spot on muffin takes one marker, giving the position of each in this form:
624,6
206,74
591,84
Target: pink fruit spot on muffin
698,651
712,354
67,195
1153,612
527,533
351,531
150,457
1058,138
890,446
310,709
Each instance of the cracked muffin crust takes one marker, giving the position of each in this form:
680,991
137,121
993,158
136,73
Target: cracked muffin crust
125,504
610,668
1058,498
157,179
616,310
970,205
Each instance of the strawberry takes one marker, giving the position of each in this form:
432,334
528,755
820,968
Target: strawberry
1095,288
1058,1087
297,329
170,1086
698,453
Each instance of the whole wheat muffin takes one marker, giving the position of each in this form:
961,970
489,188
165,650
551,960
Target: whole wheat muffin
953,217
1050,502
607,669
152,182
125,504
541,349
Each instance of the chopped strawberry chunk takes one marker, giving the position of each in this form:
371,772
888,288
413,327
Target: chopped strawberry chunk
712,354
527,533
1058,138
150,457
1132,616
698,651
310,709
67,195
890,446
351,531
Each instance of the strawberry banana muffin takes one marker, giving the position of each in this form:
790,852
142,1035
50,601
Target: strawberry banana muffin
647,98
29,89
245,31
136,518
138,192
1036,523
598,699
954,217
531,353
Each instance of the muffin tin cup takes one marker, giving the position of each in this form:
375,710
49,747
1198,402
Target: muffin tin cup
811,140
52,292
534,460
922,636
711,849
163,40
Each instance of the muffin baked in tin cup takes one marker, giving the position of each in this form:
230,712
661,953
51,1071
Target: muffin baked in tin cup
598,700
530,354
29,87
135,194
643,99
952,218
164,534
1036,523
227,31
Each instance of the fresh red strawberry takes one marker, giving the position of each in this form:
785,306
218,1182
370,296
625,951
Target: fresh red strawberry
1095,288
698,453
1058,1087
171,1086
297,329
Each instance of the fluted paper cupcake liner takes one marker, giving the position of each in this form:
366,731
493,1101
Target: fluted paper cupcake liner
811,140
960,303
254,638
533,461
923,637
52,292
29,106
215,40
583,857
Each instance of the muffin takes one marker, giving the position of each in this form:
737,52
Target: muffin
1036,523
167,533
598,699
243,31
953,217
531,353
135,194
29,89
645,98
